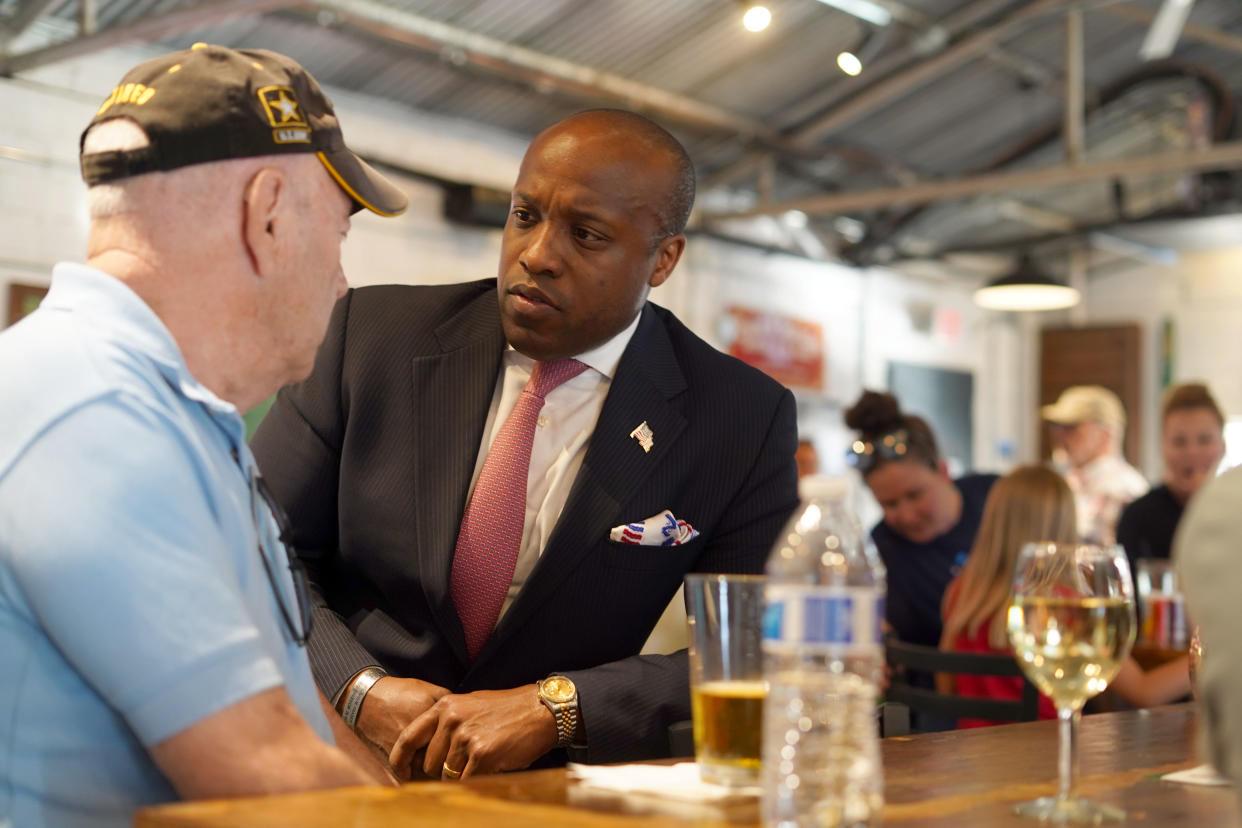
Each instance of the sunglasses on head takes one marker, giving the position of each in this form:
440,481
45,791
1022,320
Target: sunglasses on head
865,455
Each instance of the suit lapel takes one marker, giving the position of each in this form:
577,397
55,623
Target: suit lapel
452,395
648,377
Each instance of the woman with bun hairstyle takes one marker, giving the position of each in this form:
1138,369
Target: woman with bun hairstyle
1031,503
930,519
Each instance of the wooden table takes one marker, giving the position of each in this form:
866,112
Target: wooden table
959,778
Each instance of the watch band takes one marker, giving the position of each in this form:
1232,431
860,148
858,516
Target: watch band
358,689
566,723
564,712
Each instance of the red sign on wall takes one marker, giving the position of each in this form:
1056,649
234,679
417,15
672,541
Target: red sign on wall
789,350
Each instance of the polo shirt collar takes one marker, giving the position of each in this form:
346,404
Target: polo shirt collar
136,328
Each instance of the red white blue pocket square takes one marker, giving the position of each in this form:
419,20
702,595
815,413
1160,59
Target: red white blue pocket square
658,530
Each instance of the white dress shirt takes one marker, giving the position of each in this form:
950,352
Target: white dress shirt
565,425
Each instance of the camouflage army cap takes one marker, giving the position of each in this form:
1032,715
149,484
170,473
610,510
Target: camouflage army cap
210,103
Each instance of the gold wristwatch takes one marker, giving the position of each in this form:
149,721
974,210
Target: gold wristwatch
560,696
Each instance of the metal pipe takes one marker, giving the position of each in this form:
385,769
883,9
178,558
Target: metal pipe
88,19
1219,157
1075,150
150,28
27,13
544,70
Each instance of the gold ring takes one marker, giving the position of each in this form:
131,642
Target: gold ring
449,773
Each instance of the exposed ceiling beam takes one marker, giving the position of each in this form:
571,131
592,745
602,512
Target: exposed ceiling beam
88,17
1191,31
543,70
1036,216
1044,219
1219,157
892,60
170,23
902,81
27,13
928,31
891,88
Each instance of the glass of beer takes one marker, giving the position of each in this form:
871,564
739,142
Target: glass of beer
1071,625
1162,612
726,675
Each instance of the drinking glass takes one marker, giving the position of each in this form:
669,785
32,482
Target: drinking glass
727,689
1161,610
1071,626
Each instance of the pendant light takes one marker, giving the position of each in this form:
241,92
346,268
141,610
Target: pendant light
1026,289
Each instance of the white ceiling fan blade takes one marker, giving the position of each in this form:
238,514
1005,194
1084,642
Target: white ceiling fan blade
1165,29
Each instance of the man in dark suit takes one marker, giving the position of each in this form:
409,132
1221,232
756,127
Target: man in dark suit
386,456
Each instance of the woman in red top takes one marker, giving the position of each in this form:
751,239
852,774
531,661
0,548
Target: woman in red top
1030,503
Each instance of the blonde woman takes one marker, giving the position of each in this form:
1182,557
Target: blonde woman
1030,503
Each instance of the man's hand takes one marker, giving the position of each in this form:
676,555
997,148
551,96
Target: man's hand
482,732
390,705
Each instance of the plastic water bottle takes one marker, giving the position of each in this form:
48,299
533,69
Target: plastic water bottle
823,652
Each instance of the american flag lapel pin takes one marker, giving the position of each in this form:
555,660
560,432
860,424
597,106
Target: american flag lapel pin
643,435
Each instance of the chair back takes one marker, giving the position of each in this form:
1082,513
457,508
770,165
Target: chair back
904,658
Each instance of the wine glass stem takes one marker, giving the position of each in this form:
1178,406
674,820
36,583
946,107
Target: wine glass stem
1067,755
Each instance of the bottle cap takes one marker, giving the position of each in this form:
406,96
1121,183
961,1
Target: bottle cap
823,487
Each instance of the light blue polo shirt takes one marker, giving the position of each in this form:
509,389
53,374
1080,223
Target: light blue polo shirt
133,602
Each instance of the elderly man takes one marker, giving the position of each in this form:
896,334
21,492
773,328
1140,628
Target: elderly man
151,627
503,483
1088,423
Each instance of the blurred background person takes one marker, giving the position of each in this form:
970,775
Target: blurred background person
1031,503
1193,442
1088,422
806,457
929,519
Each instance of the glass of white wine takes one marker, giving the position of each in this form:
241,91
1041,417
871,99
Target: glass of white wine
1071,626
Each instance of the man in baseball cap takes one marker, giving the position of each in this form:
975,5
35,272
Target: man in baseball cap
153,622
1088,423
209,103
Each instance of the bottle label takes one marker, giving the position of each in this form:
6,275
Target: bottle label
838,620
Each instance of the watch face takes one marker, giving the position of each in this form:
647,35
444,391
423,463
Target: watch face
558,689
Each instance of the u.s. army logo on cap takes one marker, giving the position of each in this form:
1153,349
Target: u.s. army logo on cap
285,114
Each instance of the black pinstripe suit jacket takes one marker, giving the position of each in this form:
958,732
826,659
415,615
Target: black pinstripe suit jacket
372,458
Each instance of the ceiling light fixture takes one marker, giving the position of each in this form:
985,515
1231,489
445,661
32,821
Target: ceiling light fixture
849,63
867,10
1026,289
795,218
1165,29
756,18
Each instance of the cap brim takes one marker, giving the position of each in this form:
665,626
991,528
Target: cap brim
362,183
1057,416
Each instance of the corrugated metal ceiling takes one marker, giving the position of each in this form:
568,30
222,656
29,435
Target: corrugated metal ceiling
958,122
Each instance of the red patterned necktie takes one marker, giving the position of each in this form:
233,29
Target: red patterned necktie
491,528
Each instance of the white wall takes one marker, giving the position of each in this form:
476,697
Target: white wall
865,314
